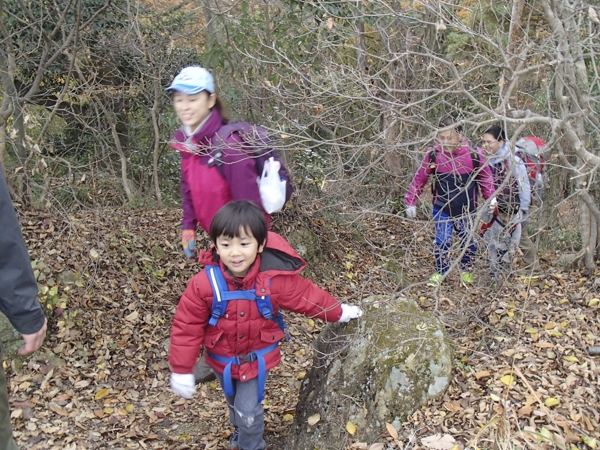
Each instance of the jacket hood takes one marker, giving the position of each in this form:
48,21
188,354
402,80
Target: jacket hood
278,258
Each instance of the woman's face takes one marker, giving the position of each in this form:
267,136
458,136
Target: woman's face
193,109
490,144
449,140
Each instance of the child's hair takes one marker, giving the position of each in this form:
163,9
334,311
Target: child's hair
241,214
449,121
497,132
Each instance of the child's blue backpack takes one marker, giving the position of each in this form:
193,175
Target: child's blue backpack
257,145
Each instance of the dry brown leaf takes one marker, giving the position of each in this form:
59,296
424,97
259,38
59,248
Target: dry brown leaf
392,430
439,442
314,419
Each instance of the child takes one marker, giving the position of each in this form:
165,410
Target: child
241,346
502,235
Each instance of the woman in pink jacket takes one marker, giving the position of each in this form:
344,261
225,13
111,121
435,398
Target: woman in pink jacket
459,171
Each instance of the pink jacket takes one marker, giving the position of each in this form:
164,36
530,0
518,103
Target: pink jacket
204,189
456,180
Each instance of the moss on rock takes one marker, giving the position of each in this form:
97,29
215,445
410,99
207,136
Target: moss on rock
376,370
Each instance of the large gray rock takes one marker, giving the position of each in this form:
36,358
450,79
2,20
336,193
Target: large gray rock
378,369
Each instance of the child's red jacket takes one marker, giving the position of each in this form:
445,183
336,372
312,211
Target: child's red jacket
242,329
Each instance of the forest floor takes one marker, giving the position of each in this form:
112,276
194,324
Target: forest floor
523,378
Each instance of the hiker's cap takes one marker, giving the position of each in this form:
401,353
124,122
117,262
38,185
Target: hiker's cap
193,80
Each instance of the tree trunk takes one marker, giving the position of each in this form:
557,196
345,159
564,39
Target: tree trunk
156,144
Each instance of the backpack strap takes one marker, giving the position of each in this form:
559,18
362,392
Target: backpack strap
474,159
257,355
222,295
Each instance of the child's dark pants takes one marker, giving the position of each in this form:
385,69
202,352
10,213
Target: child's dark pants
246,414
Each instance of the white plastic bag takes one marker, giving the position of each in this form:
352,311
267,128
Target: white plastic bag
271,187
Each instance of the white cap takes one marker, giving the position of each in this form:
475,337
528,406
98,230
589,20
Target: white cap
193,80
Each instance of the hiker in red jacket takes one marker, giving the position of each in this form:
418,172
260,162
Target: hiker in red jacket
241,344
459,172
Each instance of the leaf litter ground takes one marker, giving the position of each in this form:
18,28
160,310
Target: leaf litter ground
523,378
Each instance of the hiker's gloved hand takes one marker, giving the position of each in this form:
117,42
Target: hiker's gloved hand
493,205
183,384
188,241
411,212
350,312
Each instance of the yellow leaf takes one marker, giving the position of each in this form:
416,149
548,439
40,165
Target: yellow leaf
550,326
109,410
593,302
589,441
349,275
512,304
555,333
351,428
550,402
545,435
311,322
507,379
301,375
571,358
101,394
348,265
562,301
392,430
288,417
531,330
510,313
129,407
314,419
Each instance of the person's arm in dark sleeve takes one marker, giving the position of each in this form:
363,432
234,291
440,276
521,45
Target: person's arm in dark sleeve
18,288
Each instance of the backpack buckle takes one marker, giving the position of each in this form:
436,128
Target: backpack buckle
247,358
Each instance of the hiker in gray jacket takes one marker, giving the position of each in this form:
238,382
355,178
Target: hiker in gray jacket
18,299
512,183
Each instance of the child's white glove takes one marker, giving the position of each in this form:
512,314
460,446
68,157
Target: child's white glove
411,212
183,384
350,312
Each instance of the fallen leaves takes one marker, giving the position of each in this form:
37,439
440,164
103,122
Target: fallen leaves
439,442
107,381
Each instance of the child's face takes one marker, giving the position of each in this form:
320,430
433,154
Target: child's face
239,252
193,109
